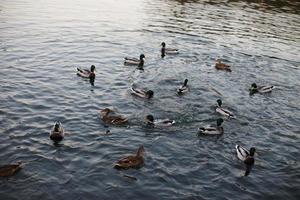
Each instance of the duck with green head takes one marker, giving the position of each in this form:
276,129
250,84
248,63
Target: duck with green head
260,89
184,88
146,94
223,111
85,73
134,61
209,130
158,122
165,50
246,156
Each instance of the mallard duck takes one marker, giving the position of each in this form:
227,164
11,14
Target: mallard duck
261,89
135,61
246,156
57,133
158,122
142,93
184,88
213,130
9,170
223,111
222,66
116,120
85,73
133,161
165,50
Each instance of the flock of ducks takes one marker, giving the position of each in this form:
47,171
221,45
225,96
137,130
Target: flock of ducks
108,116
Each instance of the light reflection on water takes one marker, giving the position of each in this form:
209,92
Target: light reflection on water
43,42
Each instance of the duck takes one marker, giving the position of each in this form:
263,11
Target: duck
184,88
85,73
223,111
135,61
158,122
246,156
9,170
132,161
142,93
116,120
261,89
57,133
165,50
218,130
222,66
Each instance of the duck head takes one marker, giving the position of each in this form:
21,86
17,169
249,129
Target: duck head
252,151
140,152
219,102
149,94
93,68
219,122
185,82
105,111
163,44
253,88
142,57
218,60
149,119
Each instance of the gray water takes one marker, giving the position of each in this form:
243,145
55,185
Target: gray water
42,43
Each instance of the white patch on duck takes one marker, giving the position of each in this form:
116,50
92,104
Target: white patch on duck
260,89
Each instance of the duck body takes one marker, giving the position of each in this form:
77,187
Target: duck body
132,161
107,118
184,88
9,170
165,50
223,111
159,122
246,156
260,89
222,66
135,61
142,93
209,130
57,133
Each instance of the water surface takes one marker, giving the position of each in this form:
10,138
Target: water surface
42,43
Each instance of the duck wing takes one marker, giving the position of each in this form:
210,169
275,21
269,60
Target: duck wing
241,152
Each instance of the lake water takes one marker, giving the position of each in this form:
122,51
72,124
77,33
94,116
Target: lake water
42,43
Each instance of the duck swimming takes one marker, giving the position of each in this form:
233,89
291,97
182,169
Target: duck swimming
158,122
135,61
223,111
213,130
246,156
222,66
85,73
57,133
184,88
261,89
165,50
142,93
116,120
133,161
9,170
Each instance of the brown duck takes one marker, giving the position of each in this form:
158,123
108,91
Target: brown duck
9,170
107,118
133,161
222,66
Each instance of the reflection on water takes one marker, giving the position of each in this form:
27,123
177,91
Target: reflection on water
43,42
